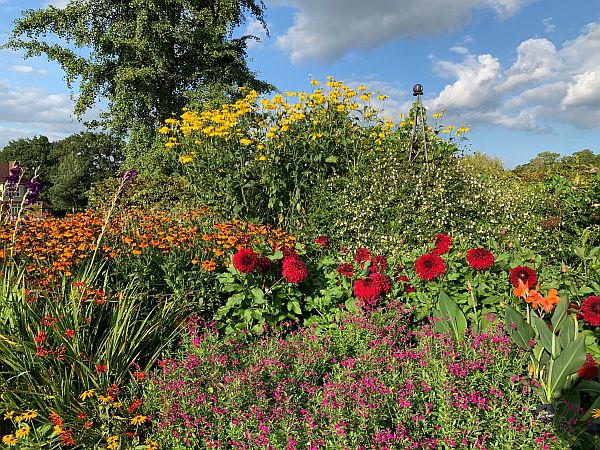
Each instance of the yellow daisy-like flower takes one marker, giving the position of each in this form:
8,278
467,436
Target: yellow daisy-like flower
57,429
8,415
20,418
87,394
9,440
596,413
22,432
245,141
30,414
105,398
314,82
113,442
137,420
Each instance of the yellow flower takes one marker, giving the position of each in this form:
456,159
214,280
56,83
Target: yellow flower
262,158
105,399
245,141
8,415
137,420
113,442
9,440
362,87
19,419
596,413
164,130
314,82
186,159
382,97
30,414
58,429
152,445
22,432
86,394
341,108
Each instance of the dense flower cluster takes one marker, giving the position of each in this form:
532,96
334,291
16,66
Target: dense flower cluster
245,260
591,310
294,270
480,258
430,266
369,289
589,370
443,242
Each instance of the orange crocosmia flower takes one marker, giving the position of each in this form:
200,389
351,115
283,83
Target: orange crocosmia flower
535,298
552,297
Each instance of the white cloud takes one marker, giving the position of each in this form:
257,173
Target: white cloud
326,30
255,28
28,111
28,69
549,27
544,85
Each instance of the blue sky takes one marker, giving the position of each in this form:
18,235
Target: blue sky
524,75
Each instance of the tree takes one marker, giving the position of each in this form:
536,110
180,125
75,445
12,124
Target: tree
68,167
145,58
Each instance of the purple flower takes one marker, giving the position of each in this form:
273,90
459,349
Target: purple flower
34,189
129,176
13,178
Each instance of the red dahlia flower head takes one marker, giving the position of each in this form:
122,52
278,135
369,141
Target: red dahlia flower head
480,258
378,264
245,260
345,269
323,241
589,370
367,290
288,252
443,242
362,255
430,266
383,281
264,264
294,270
591,310
526,274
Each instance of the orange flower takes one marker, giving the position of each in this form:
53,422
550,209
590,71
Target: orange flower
522,290
209,265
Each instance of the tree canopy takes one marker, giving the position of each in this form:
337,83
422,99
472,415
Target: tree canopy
68,167
144,57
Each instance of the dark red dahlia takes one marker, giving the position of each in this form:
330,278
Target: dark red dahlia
378,264
589,370
245,260
367,290
523,273
480,258
383,281
294,270
345,269
591,310
443,242
362,255
430,266
288,252
408,288
323,241
264,264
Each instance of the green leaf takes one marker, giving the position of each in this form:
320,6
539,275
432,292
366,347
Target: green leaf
293,305
351,305
566,334
568,363
450,310
258,295
545,335
560,313
331,159
520,331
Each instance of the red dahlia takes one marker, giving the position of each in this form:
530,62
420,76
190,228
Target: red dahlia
523,273
294,270
480,258
383,281
245,260
323,241
378,264
367,290
430,266
591,310
345,269
443,242
362,255
264,264
589,370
